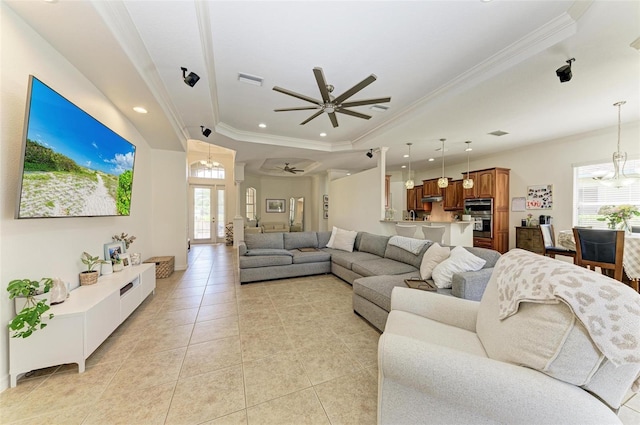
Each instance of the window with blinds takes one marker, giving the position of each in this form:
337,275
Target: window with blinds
251,203
590,195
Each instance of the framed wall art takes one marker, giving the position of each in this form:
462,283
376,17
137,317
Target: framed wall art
540,197
275,205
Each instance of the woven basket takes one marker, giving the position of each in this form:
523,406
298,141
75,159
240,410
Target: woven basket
164,266
89,278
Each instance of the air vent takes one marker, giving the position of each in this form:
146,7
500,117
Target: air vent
498,133
250,79
379,108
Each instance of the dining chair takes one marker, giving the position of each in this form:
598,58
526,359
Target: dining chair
600,248
549,242
408,230
434,233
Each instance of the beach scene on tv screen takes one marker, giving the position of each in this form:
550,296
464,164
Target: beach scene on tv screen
73,164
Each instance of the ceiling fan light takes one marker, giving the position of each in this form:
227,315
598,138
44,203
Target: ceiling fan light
443,182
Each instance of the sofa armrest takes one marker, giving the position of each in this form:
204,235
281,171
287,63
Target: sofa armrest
444,309
470,285
457,387
242,248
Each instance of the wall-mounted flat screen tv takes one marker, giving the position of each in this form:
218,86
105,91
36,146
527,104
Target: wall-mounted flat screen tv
72,166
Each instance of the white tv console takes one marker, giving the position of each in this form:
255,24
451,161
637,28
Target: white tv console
83,321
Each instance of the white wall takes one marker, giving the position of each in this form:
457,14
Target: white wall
37,248
169,200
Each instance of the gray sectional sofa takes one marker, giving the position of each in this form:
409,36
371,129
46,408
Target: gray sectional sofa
374,267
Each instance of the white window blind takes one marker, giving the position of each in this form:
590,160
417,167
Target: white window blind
251,203
590,195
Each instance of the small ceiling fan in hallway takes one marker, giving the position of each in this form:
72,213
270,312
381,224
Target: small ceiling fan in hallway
331,104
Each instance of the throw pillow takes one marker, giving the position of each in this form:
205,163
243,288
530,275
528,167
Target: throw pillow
344,240
332,239
434,256
460,260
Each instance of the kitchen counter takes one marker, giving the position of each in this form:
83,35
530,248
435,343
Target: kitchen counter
456,233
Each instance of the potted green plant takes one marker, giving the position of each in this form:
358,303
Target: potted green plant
466,214
90,276
30,305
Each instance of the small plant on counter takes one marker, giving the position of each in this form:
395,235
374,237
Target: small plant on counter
90,276
29,319
124,237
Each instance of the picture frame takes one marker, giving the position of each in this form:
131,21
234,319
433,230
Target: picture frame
325,198
325,215
126,260
275,205
112,250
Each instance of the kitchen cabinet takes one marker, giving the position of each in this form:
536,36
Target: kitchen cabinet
414,199
473,192
430,188
453,198
485,182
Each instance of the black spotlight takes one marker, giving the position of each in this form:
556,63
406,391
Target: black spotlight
370,153
564,72
190,79
205,131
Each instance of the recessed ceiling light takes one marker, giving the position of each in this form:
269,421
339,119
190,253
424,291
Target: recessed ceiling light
404,166
262,125
323,134
431,159
405,155
50,1
379,108
348,174
140,109
250,79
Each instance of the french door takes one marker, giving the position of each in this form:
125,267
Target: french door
207,216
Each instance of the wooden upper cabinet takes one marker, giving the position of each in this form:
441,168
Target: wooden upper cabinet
471,193
419,204
430,188
453,196
414,199
486,182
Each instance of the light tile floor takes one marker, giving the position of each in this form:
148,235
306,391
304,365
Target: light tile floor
207,350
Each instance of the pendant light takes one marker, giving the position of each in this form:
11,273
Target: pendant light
443,181
409,183
208,162
468,183
618,178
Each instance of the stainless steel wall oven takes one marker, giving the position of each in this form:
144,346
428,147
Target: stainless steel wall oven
481,211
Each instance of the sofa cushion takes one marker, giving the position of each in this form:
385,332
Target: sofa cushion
374,244
346,259
267,251
300,257
460,260
247,262
549,338
395,253
434,256
381,266
342,239
300,240
323,238
264,240
489,255
377,289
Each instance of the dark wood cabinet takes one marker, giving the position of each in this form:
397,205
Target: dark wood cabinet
530,238
486,186
471,193
453,198
414,199
431,188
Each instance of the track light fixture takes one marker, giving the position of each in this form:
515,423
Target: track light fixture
205,131
564,72
370,153
190,79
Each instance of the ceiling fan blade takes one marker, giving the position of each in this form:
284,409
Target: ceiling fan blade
317,114
322,84
366,102
299,108
355,89
353,113
297,95
334,119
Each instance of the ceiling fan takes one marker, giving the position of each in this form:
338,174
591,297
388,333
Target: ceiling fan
288,169
331,104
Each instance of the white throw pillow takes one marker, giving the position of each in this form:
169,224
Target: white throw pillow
434,256
332,238
344,240
460,260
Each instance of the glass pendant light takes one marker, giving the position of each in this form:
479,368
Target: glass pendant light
618,178
468,183
409,183
443,181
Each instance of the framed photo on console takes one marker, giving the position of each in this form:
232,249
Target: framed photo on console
113,250
126,260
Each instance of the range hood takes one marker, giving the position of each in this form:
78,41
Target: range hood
432,199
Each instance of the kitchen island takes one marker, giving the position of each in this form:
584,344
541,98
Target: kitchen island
456,233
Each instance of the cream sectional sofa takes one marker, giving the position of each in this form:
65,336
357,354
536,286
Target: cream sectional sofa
449,360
